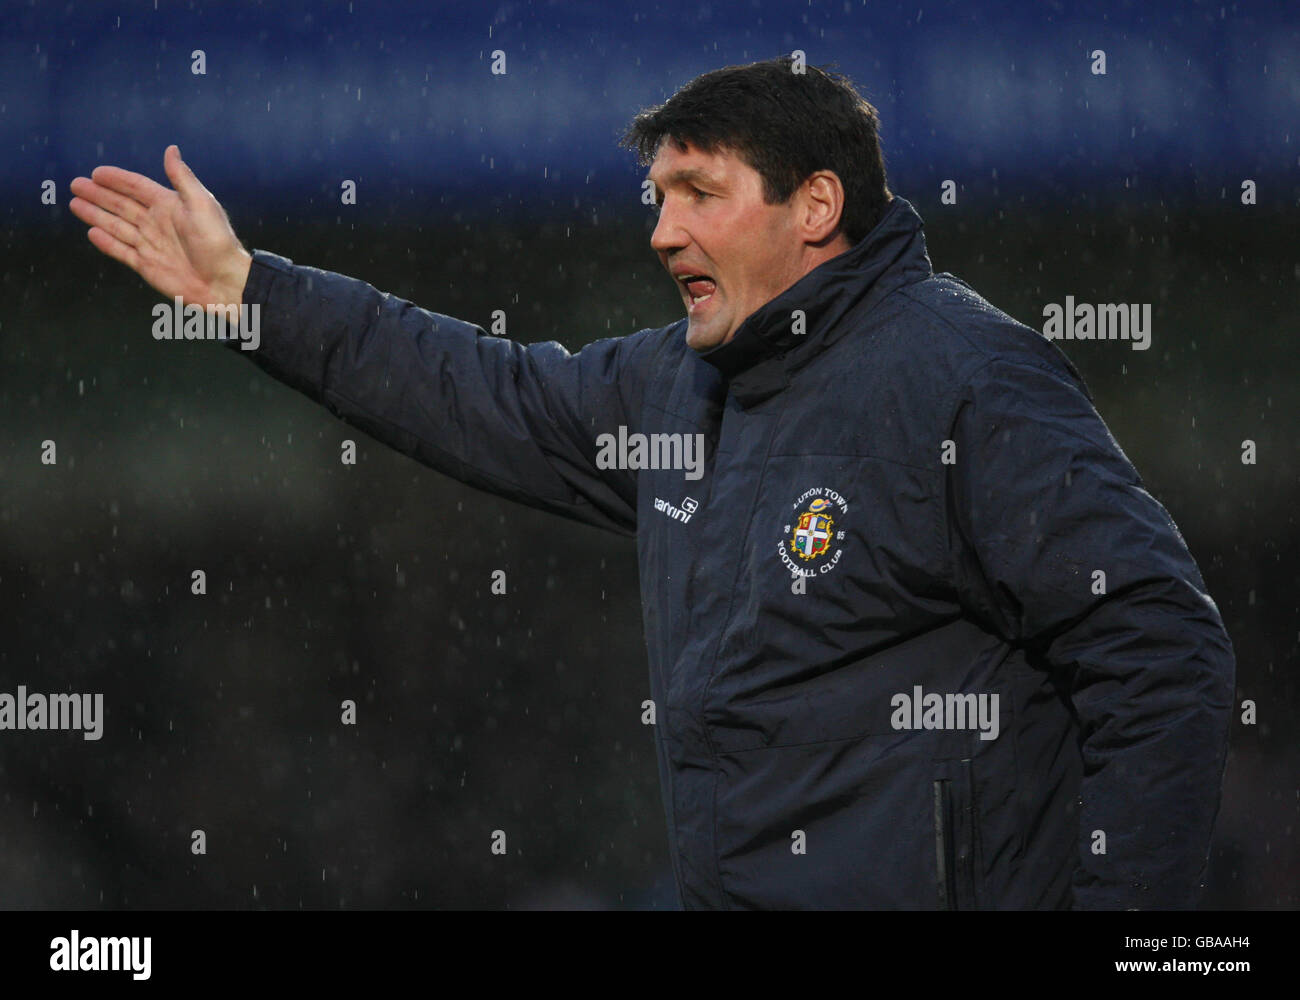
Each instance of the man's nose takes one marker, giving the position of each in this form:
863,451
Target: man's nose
668,234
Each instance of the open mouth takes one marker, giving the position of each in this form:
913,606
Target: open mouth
699,287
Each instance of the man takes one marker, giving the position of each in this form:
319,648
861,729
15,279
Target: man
917,635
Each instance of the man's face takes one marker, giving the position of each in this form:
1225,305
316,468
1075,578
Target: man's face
728,251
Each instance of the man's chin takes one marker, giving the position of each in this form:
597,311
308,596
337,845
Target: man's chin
702,336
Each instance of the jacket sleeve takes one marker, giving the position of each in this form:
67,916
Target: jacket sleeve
1044,499
518,421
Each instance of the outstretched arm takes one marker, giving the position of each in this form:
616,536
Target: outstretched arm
518,421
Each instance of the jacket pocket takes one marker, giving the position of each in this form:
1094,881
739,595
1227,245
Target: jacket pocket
956,836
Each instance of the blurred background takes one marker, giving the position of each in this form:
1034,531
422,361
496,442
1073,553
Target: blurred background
478,192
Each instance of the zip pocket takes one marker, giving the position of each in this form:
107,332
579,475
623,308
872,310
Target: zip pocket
943,854
955,835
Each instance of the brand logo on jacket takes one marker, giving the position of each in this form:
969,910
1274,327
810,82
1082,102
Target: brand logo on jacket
809,541
682,513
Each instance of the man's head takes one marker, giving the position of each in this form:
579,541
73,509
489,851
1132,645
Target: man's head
761,174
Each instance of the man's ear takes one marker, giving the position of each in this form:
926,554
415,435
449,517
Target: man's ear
823,206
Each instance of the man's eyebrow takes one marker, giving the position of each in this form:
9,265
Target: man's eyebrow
688,175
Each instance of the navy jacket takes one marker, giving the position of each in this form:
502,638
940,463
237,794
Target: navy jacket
917,635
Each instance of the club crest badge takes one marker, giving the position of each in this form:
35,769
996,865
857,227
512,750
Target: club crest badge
810,541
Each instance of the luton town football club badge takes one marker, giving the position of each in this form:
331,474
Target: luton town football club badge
810,541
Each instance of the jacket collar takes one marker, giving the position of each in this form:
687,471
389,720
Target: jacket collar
766,350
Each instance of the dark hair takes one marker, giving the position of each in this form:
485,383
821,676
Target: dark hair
783,123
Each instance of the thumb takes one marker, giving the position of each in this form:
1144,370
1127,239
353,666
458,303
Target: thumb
181,176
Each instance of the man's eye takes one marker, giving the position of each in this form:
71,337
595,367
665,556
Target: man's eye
657,206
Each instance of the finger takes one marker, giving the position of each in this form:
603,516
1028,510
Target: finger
128,183
93,215
110,201
181,176
126,209
109,244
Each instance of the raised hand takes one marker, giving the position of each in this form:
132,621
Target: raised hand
180,241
